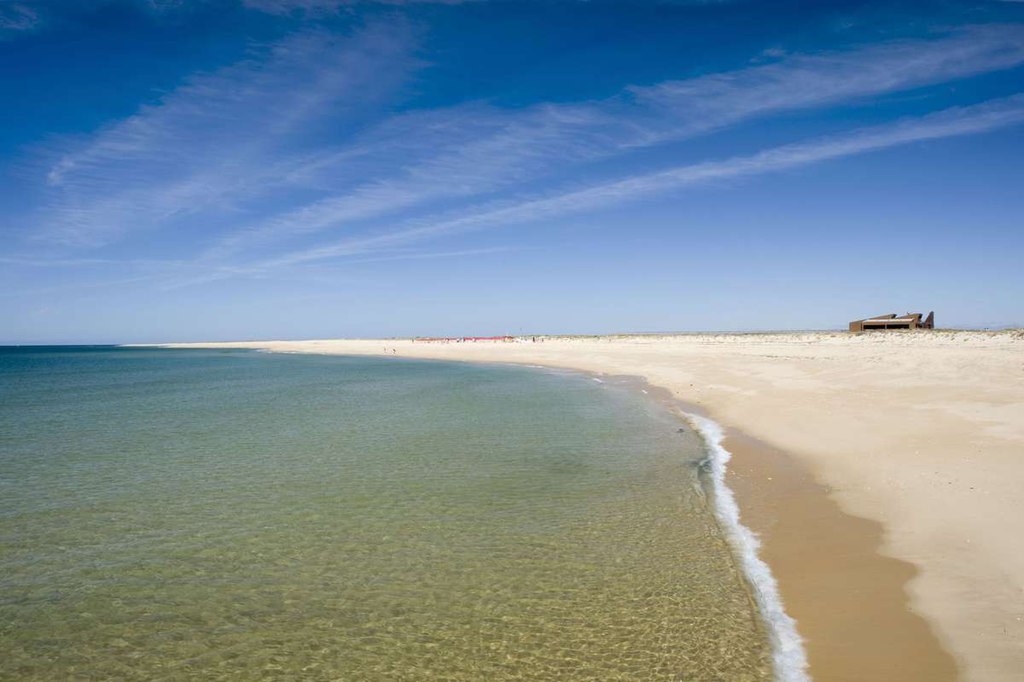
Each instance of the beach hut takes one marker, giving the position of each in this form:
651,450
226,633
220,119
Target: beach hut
892,321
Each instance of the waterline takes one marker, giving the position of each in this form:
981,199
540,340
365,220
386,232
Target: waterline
788,654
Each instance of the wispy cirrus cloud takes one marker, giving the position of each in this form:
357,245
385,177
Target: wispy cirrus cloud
17,17
240,153
804,81
22,17
220,138
396,244
452,153
947,123
473,151
321,6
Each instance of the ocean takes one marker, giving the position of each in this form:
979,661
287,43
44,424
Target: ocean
193,514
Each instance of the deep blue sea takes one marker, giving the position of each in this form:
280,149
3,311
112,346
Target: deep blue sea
192,514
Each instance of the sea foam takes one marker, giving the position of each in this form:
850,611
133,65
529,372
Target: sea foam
788,655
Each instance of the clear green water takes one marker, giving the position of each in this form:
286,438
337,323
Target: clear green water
205,515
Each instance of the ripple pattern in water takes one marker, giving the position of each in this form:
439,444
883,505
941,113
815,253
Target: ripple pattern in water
237,515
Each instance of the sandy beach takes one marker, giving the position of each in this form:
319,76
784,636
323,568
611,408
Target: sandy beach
881,471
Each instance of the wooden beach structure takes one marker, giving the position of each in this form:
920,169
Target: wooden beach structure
892,321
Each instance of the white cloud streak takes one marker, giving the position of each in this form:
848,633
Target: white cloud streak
472,151
220,138
803,81
16,17
456,153
324,6
228,145
394,245
948,123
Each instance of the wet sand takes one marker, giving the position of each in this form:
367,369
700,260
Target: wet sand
849,601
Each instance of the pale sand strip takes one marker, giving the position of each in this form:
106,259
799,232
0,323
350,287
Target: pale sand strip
920,431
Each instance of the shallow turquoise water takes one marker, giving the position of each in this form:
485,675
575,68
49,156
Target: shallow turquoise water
174,514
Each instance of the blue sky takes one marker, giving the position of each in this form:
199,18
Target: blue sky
199,170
